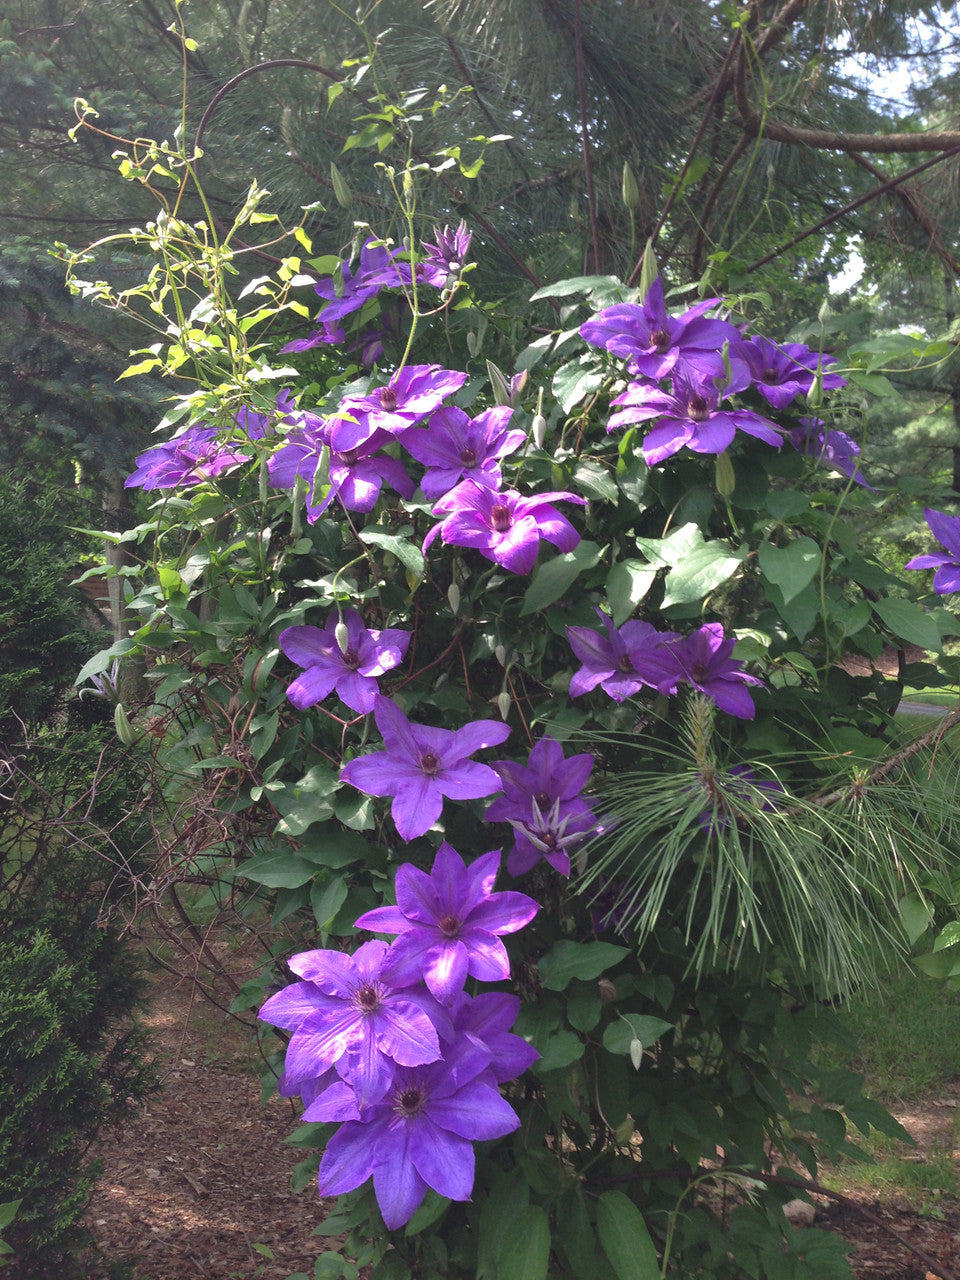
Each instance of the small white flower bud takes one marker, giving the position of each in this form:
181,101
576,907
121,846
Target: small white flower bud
503,704
636,1053
453,597
538,429
342,636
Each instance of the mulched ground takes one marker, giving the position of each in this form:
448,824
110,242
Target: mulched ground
202,1175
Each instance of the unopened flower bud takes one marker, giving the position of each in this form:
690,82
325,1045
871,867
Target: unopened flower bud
342,636
624,1131
725,479
453,597
340,188
409,191
824,314
629,191
501,388
125,730
503,704
473,343
538,429
500,653
636,1053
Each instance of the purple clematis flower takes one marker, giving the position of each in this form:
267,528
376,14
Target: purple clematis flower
454,446
376,270
782,372
946,529
352,672
411,395
623,661
703,660
833,449
356,476
658,344
487,1019
543,804
328,334
450,923
443,261
504,527
691,415
422,765
199,454
347,1013
420,1135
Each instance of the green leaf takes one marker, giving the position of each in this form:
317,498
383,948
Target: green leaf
595,482
525,1251
948,936
573,382
409,555
700,572
8,1212
327,899
307,801
576,284
585,960
633,1026
554,576
916,916
627,584
791,567
559,1050
625,1238
278,871
908,621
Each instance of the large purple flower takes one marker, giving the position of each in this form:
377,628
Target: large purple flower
781,373
422,765
351,671
703,660
443,261
623,661
454,446
450,923
504,527
411,395
487,1019
946,529
691,415
657,343
355,476
420,1135
543,804
376,270
198,454
834,449
347,1013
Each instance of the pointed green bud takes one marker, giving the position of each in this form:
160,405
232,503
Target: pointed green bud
453,598
726,481
649,270
503,704
629,191
342,636
474,341
538,429
501,387
409,191
500,653
340,188
125,730
824,314
636,1053
624,1131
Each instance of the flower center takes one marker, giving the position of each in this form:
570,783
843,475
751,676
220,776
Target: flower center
410,1102
350,457
449,926
500,517
351,658
430,763
368,999
698,409
625,665
768,375
543,800
549,839
700,671
388,398
660,341
468,457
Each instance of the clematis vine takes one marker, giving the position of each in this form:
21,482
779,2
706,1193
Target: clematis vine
422,765
454,446
624,661
692,415
444,260
351,671
782,372
542,801
704,661
347,1014
377,269
656,343
504,527
832,449
198,454
450,923
946,530
411,395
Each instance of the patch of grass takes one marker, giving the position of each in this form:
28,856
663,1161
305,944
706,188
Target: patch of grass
922,1179
908,1037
